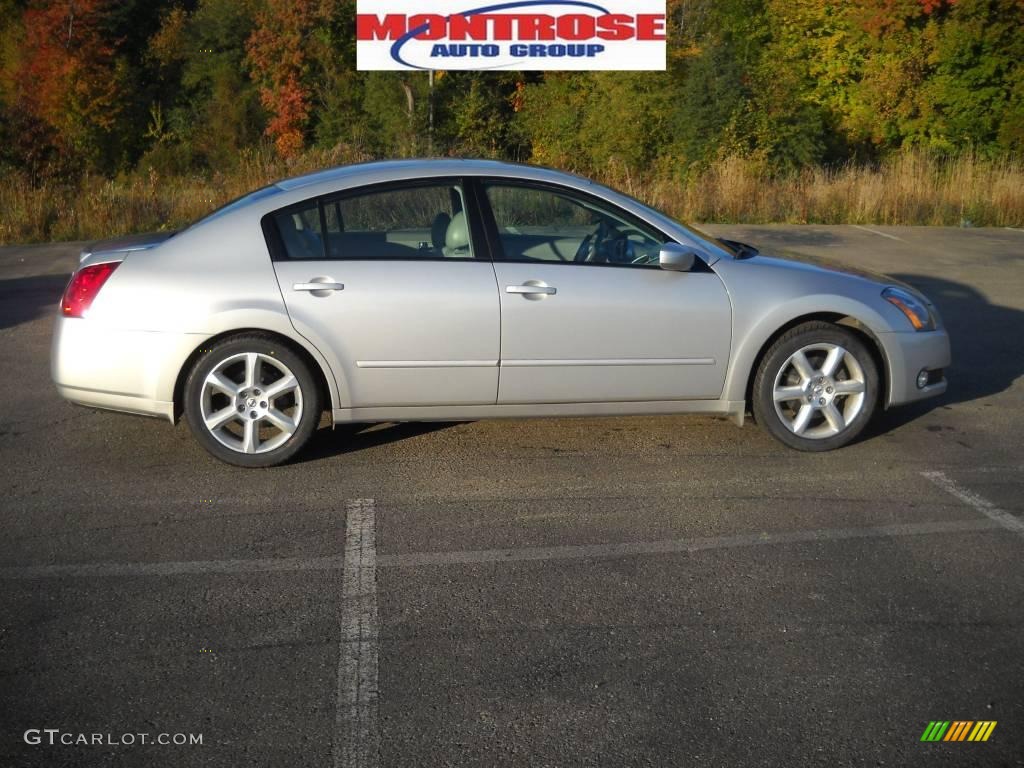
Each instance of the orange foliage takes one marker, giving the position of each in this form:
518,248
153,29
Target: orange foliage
276,54
66,79
881,16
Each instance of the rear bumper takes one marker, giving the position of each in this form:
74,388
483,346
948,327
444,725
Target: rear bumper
131,371
113,401
910,353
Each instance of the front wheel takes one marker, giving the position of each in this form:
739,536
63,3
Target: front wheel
251,401
816,388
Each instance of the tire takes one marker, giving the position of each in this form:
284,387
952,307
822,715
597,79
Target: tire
255,380
816,388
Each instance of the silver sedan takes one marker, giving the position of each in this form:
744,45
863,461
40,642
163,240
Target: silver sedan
458,290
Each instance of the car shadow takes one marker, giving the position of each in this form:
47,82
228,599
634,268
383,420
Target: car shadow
987,342
352,438
23,299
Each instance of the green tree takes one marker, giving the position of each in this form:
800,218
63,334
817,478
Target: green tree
211,106
974,96
337,89
475,115
395,110
552,114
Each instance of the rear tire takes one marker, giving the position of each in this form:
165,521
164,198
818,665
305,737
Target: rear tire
252,401
816,388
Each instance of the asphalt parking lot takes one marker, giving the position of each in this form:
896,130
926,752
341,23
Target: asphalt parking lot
667,591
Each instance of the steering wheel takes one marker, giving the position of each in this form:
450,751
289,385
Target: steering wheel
595,246
617,249
584,252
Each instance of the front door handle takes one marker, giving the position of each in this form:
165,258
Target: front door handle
314,286
532,290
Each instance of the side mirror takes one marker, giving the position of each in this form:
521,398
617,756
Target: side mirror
676,257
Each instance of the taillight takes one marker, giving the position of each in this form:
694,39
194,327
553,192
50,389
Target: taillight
83,288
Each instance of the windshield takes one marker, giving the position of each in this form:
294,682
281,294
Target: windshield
724,245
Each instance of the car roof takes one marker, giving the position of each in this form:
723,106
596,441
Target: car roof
391,169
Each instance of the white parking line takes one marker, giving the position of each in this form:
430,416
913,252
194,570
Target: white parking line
1014,229
876,232
1006,469
186,568
356,738
604,551
971,499
414,559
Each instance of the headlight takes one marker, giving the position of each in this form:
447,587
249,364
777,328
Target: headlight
911,306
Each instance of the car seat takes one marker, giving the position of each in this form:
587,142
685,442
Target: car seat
439,231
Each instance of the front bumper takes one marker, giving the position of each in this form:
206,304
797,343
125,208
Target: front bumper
909,353
132,371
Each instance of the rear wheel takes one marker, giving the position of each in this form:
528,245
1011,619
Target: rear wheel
816,388
251,401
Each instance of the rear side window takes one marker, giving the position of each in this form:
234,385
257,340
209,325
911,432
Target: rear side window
415,221
300,232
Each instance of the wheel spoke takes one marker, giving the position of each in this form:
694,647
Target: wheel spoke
783,394
282,386
220,382
834,417
803,418
217,420
849,387
252,369
251,439
281,420
802,365
833,360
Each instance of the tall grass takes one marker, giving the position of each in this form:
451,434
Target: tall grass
911,188
96,207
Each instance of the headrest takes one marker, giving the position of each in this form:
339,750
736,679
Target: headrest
457,235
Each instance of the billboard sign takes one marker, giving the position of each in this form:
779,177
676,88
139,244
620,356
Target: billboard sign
520,35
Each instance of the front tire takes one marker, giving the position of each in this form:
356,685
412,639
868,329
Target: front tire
816,388
252,401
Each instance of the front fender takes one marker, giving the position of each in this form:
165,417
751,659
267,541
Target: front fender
753,329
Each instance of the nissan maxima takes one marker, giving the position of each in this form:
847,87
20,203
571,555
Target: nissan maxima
454,290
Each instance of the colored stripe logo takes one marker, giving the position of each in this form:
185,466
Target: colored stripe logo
958,730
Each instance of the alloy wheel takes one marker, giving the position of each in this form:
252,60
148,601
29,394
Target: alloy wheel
251,403
819,391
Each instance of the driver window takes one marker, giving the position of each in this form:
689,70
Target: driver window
537,224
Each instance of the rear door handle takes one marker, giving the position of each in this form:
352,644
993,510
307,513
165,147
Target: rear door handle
531,290
318,287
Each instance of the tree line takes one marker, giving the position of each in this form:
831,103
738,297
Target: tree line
114,86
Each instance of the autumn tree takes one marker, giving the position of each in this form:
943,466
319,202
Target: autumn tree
69,78
182,85
280,65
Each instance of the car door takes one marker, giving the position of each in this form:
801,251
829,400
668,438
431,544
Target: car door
388,278
587,315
